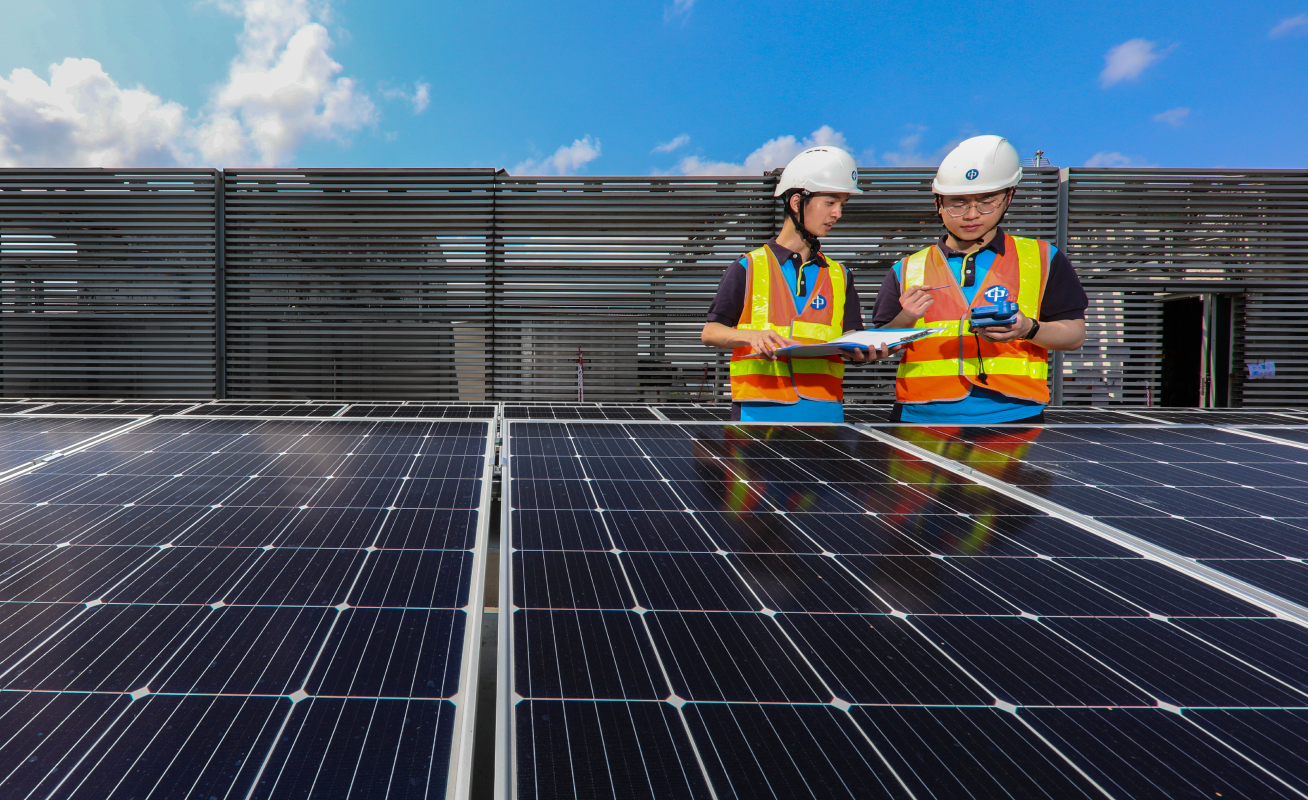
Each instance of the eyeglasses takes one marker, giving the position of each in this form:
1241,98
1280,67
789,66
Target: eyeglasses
987,206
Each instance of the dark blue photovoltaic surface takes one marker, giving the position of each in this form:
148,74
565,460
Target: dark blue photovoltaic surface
1236,503
232,608
824,615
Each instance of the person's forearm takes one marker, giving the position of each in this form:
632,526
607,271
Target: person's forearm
902,320
1063,335
715,334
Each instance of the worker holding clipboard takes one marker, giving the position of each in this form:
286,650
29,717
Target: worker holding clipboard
995,304
786,294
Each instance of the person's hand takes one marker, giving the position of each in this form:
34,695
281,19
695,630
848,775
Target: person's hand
861,356
1006,333
765,343
915,302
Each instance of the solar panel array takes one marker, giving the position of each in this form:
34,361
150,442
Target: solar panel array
243,608
753,611
218,605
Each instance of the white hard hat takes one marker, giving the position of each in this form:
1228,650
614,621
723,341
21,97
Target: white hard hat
978,165
820,169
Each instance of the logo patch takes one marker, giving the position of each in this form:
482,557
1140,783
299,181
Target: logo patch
996,294
853,176
971,174
819,303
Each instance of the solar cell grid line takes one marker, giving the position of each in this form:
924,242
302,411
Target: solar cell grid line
92,409
269,683
219,409
1233,505
611,622
580,411
411,410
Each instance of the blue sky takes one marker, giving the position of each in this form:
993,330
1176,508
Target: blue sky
596,87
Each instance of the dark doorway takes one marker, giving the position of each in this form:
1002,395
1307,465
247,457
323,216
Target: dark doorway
1220,367
1183,338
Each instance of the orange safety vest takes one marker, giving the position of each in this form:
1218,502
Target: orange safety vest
786,380
943,366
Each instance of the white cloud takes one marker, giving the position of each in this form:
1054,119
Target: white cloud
1129,59
419,98
1296,24
772,154
1173,116
680,9
676,143
1115,159
908,154
565,161
282,88
81,117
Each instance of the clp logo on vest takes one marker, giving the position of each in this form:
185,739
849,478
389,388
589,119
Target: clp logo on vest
971,174
996,294
819,303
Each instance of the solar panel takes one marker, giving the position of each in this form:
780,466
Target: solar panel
1215,417
1234,503
25,439
696,413
1072,415
266,410
90,409
245,608
578,411
1299,435
419,411
805,611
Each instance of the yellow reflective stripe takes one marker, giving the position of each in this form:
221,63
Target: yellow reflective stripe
816,331
915,269
818,366
758,311
1028,268
997,365
837,326
759,366
807,366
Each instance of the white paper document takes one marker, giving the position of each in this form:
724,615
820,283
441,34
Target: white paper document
858,340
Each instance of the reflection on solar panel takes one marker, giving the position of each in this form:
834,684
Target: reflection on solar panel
25,439
266,410
809,612
90,409
578,411
874,414
1233,502
1220,417
419,411
1299,435
243,608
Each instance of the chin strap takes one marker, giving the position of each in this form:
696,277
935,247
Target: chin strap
812,241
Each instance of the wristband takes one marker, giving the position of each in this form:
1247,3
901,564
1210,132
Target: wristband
1035,327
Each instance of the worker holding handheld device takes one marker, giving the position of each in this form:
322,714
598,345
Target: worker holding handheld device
998,303
787,293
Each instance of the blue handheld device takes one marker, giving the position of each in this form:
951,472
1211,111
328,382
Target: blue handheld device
1004,313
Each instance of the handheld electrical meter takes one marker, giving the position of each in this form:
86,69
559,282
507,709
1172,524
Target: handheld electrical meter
1004,313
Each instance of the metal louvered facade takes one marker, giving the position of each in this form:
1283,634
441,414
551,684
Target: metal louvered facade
475,285
107,283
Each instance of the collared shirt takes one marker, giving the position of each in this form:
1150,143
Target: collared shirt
1064,299
729,302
